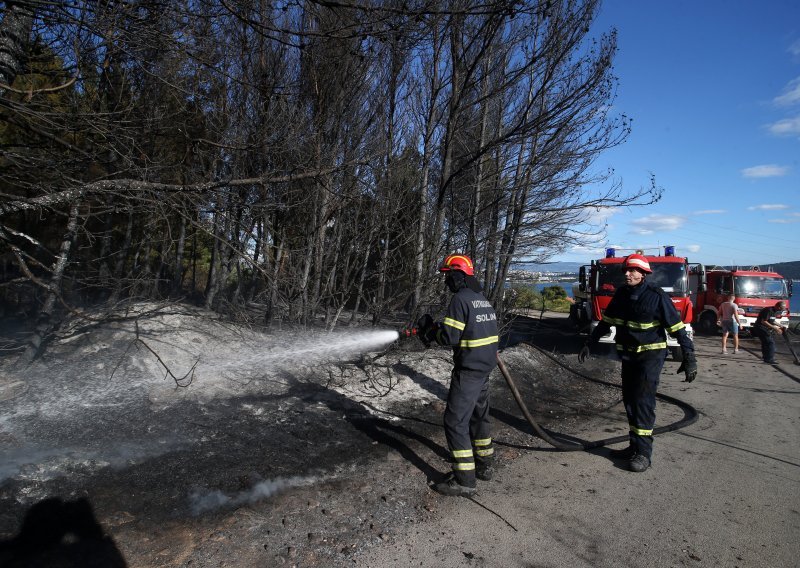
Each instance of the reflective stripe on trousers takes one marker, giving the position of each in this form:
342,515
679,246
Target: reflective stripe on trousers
466,423
640,377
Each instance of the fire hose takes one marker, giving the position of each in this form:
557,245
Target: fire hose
690,413
789,345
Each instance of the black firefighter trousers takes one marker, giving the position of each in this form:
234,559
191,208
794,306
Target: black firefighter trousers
640,376
466,424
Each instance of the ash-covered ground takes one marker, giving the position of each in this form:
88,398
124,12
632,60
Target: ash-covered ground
180,439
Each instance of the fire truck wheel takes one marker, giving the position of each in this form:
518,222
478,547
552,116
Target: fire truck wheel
677,354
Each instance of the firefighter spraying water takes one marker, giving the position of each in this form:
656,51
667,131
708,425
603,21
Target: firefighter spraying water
470,327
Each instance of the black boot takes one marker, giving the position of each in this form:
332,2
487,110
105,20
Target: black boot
624,454
449,486
484,471
639,463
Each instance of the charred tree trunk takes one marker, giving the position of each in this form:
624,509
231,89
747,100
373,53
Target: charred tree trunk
273,285
212,283
177,268
119,266
364,268
15,31
422,243
46,323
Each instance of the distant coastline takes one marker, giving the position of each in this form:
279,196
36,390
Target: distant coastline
789,269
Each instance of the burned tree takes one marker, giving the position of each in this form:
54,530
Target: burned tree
304,158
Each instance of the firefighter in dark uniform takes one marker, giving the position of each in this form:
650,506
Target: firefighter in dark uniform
765,326
470,327
643,314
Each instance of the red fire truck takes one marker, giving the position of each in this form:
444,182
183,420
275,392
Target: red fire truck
752,289
598,281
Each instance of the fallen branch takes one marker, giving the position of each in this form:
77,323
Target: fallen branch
181,382
31,91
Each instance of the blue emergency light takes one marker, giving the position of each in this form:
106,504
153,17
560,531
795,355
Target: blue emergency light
669,251
610,252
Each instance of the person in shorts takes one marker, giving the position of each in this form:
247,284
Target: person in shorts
729,321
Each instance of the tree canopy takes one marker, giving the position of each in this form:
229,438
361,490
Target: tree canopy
312,157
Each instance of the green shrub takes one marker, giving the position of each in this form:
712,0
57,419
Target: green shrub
554,297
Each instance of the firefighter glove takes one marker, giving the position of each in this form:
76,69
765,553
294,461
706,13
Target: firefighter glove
584,353
427,329
688,366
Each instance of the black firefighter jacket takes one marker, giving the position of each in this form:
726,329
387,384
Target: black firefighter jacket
470,326
643,315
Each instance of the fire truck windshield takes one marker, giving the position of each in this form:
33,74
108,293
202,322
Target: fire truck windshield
670,276
760,287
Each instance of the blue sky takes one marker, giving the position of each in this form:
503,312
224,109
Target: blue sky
713,88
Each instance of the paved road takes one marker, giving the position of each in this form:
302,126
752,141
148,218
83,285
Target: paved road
723,492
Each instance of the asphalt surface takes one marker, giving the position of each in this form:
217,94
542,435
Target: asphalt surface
722,492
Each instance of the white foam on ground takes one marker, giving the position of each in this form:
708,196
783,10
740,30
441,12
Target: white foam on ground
108,372
212,367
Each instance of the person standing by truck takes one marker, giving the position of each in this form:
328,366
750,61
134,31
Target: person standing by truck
765,328
729,321
642,314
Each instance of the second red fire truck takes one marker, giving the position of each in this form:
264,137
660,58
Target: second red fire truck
751,289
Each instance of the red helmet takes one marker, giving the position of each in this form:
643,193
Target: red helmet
637,261
458,262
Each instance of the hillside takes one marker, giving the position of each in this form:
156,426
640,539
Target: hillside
788,269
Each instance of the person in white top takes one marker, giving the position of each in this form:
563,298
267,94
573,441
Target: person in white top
729,320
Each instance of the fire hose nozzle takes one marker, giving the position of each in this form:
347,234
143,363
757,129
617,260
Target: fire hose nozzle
415,332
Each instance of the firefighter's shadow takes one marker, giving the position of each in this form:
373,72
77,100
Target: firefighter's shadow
392,435
389,435
424,381
497,413
60,533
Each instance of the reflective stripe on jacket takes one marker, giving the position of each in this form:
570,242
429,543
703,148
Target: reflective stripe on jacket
643,315
470,326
